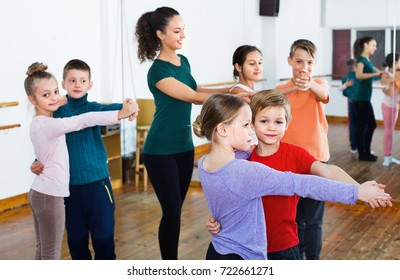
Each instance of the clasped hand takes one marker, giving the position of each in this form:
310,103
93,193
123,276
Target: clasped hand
130,109
303,81
374,195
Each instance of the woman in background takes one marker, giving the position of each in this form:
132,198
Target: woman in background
365,72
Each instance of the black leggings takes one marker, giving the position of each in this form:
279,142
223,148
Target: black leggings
365,126
212,254
170,176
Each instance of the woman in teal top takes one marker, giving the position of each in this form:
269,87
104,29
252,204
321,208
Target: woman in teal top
365,73
168,152
170,132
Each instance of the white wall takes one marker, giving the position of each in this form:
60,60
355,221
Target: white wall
57,31
361,13
45,31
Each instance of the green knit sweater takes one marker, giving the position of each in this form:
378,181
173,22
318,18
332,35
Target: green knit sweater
87,155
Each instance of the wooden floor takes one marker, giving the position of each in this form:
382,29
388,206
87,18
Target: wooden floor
350,232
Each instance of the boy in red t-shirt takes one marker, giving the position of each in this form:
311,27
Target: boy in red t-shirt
271,116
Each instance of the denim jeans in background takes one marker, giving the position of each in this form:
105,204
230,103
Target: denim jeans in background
310,214
288,254
352,125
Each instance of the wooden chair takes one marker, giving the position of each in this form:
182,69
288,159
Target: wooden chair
143,122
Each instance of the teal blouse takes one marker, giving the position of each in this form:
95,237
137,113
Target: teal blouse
170,131
364,91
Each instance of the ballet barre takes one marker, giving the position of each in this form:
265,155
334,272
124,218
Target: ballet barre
5,127
228,83
8,104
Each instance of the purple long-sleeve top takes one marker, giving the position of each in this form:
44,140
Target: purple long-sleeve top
234,194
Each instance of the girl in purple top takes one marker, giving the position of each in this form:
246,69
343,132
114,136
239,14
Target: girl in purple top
234,187
46,196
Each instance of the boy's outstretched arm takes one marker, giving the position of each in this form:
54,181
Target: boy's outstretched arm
334,172
331,172
320,89
289,89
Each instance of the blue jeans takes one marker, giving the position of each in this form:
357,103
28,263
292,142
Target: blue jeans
287,254
352,125
310,214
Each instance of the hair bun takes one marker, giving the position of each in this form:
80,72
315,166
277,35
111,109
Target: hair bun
197,127
36,68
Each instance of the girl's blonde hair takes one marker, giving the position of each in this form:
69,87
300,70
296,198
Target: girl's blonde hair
36,71
218,108
270,98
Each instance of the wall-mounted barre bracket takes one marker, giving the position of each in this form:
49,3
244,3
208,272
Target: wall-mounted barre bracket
4,127
8,104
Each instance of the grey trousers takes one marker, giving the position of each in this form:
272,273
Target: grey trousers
49,222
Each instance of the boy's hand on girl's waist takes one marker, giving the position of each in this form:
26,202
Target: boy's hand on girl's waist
37,168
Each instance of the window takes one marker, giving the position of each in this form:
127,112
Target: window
397,41
341,53
343,48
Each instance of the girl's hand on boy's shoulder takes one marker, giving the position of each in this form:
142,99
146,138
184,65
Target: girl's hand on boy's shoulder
245,95
63,100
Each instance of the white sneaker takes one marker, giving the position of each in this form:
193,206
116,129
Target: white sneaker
387,160
395,161
353,151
